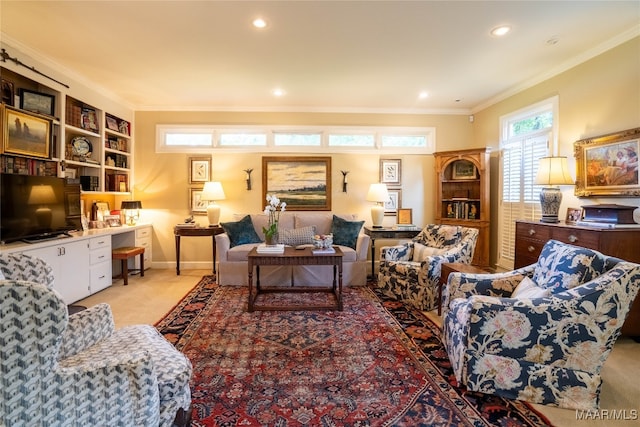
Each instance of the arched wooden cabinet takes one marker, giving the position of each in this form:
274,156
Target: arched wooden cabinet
462,180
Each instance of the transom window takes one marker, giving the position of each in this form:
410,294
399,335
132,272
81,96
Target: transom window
399,140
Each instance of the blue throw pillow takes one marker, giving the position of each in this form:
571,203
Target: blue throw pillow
241,232
345,233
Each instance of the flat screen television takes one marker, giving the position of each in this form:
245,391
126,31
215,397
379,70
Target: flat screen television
37,207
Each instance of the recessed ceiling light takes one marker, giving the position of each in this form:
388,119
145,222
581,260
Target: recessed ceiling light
423,95
501,30
278,92
259,23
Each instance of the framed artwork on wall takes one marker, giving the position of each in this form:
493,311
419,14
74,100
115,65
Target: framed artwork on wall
463,169
25,134
394,202
197,205
607,165
37,102
199,170
391,171
303,183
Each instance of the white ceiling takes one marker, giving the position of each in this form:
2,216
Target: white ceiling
326,55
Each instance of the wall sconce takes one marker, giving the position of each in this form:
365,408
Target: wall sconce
248,171
344,181
131,211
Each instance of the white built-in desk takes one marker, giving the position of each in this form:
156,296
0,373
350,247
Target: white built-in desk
82,263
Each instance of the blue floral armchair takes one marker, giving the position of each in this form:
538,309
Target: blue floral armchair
547,348
79,370
410,272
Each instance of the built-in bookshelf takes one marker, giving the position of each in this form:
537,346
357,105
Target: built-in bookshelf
462,179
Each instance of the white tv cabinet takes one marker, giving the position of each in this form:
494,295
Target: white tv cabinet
82,263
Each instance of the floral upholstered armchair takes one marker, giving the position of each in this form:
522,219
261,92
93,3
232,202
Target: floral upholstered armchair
543,332
410,272
78,370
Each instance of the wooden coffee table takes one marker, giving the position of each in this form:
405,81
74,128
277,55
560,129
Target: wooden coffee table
293,256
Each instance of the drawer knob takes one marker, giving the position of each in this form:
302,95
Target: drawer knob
532,232
531,248
572,238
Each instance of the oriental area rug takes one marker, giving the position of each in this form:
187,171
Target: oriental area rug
377,363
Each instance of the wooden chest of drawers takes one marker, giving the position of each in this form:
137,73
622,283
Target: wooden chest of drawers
623,243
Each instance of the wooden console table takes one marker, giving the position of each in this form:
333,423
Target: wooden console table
196,231
292,256
387,233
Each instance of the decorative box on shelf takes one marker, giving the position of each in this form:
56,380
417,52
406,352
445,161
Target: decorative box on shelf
609,213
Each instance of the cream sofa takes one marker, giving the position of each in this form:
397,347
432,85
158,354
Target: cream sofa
232,261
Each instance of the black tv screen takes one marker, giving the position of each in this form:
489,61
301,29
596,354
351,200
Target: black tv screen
37,207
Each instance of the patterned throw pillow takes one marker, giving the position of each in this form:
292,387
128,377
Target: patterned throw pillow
345,233
241,232
297,236
528,289
421,252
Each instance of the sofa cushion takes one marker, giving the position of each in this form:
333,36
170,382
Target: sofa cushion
528,289
421,252
345,233
241,232
561,267
297,236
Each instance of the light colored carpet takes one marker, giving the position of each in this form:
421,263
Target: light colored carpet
147,299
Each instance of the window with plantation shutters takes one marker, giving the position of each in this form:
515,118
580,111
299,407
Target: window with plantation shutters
526,136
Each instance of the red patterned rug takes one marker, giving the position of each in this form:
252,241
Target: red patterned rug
377,363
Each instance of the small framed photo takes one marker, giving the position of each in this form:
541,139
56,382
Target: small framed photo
197,205
395,200
112,124
573,215
405,216
391,171
37,102
463,169
8,92
113,220
199,169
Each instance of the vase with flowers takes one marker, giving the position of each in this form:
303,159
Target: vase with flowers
271,230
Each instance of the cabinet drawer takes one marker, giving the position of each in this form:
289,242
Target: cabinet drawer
142,233
100,255
100,242
100,277
533,231
529,248
573,236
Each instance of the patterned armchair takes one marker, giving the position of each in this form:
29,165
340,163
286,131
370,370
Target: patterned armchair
410,272
78,370
546,344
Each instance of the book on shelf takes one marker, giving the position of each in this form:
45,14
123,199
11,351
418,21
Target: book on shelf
270,249
319,251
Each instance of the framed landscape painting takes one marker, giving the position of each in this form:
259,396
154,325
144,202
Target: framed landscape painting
607,165
25,134
304,183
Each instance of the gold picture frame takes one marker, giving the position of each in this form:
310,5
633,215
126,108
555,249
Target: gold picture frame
391,171
303,183
404,216
26,134
199,170
463,169
607,165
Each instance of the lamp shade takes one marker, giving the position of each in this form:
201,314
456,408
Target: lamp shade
378,193
553,171
131,204
212,191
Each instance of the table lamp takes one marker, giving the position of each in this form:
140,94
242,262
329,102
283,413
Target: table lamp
212,191
42,196
378,193
552,171
131,211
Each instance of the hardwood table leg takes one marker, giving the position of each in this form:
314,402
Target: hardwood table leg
250,283
177,254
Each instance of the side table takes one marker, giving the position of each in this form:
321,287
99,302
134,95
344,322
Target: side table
196,231
454,267
387,233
